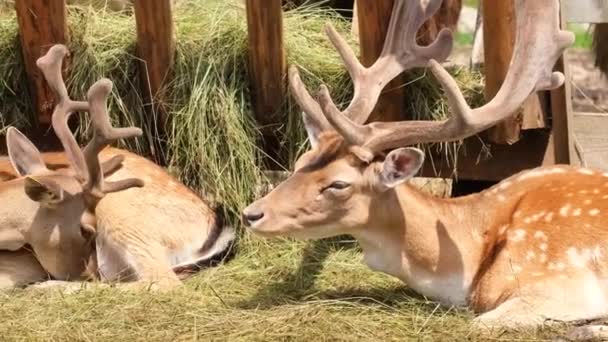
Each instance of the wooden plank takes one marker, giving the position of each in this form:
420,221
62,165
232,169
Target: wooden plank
586,11
267,65
41,25
373,18
499,39
561,113
534,149
156,48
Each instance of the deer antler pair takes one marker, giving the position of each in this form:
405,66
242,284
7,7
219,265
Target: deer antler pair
86,162
539,43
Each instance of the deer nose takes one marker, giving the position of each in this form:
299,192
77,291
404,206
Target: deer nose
252,215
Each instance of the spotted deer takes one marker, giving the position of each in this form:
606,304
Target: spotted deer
151,234
533,248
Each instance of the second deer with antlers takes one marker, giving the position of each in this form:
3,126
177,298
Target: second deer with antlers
150,234
530,249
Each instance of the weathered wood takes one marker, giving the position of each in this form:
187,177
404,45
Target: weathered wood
267,66
561,112
533,150
499,39
156,49
373,18
586,11
41,25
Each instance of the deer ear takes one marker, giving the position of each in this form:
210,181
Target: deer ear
400,165
313,129
43,190
24,156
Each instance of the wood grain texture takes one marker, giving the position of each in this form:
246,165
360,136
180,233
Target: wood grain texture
267,65
41,25
499,39
156,48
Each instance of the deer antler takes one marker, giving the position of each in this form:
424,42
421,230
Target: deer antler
401,52
539,43
86,163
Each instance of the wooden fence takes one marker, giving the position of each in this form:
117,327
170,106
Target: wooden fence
43,23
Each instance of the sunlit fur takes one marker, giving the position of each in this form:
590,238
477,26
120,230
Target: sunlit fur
530,248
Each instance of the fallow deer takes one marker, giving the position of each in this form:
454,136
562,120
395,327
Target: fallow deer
530,249
152,235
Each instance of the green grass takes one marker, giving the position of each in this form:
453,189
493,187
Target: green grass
274,291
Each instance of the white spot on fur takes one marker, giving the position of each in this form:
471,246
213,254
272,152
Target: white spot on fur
596,191
530,255
569,194
518,235
517,213
588,201
594,212
501,198
543,246
549,217
540,235
565,210
576,212
577,259
585,171
504,185
583,192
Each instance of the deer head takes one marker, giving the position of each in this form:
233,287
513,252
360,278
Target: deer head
354,169
56,209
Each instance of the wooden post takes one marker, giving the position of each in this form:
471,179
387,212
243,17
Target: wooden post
561,112
156,48
499,39
373,18
41,25
267,66
267,72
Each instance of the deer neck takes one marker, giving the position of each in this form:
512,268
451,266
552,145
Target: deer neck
16,215
432,244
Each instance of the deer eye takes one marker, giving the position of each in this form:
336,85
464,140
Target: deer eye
337,185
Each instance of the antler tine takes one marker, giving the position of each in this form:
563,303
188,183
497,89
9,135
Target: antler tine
104,134
50,65
539,43
400,53
310,107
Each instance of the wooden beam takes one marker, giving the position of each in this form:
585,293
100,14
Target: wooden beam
267,66
499,39
373,18
156,49
41,25
534,149
561,112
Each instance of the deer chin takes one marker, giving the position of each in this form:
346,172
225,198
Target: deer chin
282,228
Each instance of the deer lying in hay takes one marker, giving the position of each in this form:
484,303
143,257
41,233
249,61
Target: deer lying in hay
529,250
79,225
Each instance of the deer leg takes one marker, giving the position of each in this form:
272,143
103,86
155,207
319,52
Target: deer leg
20,268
